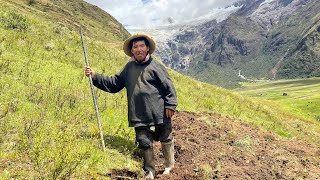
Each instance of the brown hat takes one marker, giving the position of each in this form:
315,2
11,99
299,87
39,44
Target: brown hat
126,43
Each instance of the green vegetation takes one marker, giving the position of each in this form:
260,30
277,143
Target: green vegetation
211,73
48,127
299,97
207,171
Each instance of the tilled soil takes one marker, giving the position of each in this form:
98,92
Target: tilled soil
209,146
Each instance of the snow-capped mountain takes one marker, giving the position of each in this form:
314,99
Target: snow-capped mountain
252,35
177,43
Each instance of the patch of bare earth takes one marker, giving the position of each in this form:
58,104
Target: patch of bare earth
209,146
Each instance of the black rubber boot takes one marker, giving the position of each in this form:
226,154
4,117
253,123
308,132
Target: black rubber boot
168,153
148,162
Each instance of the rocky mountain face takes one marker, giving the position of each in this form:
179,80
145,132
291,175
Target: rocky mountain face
265,39
299,35
177,45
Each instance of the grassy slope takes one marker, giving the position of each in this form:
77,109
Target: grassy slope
47,121
302,98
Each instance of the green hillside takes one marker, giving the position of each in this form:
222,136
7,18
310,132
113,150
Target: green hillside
298,96
48,127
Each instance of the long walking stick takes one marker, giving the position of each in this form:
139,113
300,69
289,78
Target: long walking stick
92,92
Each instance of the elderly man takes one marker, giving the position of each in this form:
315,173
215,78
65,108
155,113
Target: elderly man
151,99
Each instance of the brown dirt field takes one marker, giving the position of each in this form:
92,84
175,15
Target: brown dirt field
209,146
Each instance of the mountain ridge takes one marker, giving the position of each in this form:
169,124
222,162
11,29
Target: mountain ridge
251,40
74,14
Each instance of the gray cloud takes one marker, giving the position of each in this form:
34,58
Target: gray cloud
150,13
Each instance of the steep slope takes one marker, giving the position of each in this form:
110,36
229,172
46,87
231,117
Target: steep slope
299,35
74,14
47,124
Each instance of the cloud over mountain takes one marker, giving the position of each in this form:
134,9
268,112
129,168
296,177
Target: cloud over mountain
150,13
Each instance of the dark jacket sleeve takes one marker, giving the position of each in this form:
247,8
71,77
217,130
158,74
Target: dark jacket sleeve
110,84
169,92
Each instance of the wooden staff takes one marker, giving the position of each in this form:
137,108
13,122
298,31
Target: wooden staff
92,92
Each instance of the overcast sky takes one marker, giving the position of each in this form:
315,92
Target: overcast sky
150,13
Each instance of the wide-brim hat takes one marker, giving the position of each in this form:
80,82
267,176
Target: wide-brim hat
126,43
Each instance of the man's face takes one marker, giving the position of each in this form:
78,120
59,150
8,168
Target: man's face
140,50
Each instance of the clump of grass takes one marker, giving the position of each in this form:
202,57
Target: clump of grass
207,171
32,2
245,143
14,20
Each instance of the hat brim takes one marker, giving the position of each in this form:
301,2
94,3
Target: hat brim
126,43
